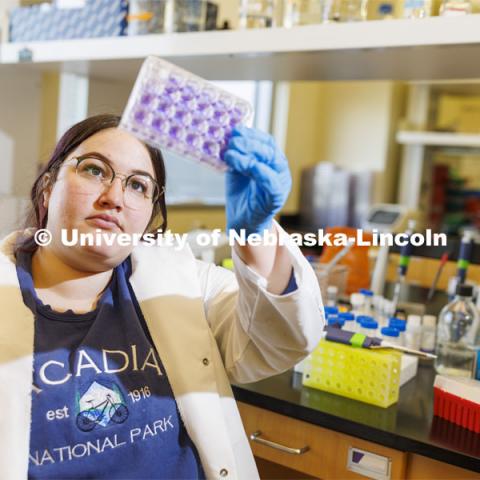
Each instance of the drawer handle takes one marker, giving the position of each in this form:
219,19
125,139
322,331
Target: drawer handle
255,437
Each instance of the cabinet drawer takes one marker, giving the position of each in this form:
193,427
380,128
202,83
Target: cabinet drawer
327,454
318,461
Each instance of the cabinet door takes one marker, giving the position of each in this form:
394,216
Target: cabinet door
423,468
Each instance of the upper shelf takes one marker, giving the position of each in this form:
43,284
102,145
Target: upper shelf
438,139
424,49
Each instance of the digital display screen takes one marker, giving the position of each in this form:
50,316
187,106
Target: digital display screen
383,217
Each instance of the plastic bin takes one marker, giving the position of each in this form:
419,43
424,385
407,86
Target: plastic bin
337,276
150,16
458,401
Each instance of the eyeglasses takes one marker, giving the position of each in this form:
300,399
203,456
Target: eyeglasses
139,189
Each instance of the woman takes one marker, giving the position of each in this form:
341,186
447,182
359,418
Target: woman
133,348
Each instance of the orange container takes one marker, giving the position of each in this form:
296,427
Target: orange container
356,260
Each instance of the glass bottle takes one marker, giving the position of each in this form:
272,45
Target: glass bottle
356,299
367,300
382,9
399,325
332,293
256,13
429,330
390,335
455,8
417,8
457,334
413,333
150,16
349,320
302,12
348,10
369,327
190,15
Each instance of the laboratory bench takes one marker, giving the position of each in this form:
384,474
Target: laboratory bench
326,431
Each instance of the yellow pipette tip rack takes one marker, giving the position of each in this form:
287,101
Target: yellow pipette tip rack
358,373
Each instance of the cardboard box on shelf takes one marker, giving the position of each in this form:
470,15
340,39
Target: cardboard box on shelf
458,113
99,18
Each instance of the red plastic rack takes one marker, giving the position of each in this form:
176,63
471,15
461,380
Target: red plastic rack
456,410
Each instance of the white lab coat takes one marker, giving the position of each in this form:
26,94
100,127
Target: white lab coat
195,312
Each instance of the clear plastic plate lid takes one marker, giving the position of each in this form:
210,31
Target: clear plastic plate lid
172,109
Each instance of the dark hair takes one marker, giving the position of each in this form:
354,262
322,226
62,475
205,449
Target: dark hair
37,214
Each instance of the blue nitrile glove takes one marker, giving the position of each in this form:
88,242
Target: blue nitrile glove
258,180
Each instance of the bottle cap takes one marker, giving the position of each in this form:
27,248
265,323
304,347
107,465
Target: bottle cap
363,318
366,292
347,316
414,320
331,310
389,332
429,320
465,290
385,8
397,323
335,320
372,324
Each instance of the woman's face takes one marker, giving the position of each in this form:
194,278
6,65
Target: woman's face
76,202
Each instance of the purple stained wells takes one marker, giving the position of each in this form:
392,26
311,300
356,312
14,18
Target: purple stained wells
139,116
161,125
237,114
177,132
216,132
212,149
189,95
194,141
188,116
199,125
221,117
183,116
204,110
166,108
146,98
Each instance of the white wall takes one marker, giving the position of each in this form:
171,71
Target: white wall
108,97
19,129
19,135
351,124
356,120
357,129
7,4
19,140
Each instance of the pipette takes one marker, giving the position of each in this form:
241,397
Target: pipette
399,348
464,256
405,254
443,262
331,264
335,334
